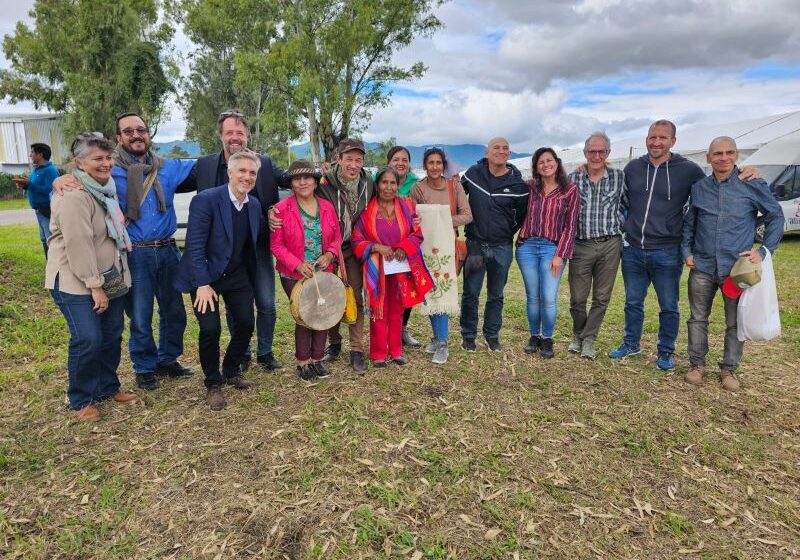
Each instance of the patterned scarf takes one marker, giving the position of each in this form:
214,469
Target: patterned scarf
106,196
141,176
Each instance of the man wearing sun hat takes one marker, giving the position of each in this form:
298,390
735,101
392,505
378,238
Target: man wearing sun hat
718,231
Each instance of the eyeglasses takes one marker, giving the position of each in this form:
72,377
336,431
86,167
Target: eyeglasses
226,114
596,152
131,131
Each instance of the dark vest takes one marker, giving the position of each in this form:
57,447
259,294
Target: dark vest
243,250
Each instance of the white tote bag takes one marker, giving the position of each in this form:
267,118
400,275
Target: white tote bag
758,316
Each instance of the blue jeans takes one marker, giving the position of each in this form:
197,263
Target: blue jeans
44,229
95,344
264,292
541,287
152,274
662,268
496,262
440,325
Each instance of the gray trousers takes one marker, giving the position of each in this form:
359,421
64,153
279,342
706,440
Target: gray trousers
593,267
702,289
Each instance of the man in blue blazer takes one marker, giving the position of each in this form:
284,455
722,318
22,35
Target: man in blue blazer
220,260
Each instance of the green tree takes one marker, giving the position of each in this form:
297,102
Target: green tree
376,157
176,152
90,59
323,65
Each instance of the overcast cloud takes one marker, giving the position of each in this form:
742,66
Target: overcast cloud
551,71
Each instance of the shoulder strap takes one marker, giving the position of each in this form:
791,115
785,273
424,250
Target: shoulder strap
452,191
342,268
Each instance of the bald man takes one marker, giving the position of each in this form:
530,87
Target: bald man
718,228
498,198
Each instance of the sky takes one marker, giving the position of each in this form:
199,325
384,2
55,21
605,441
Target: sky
549,72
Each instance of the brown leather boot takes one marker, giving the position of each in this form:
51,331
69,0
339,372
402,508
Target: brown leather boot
124,397
728,380
239,382
695,374
215,398
88,413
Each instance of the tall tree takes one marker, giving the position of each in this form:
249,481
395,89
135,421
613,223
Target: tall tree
326,64
91,59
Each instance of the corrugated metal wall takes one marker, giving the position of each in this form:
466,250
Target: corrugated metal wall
48,131
17,133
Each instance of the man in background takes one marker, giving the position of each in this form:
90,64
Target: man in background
37,187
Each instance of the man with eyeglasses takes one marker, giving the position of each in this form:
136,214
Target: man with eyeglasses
212,171
598,244
146,186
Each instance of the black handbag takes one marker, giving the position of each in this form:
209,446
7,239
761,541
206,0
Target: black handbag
114,283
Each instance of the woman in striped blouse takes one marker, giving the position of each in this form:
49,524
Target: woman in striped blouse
545,242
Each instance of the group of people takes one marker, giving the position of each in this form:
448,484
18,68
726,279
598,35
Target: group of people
396,241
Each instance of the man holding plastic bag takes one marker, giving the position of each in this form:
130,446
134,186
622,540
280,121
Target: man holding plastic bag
719,228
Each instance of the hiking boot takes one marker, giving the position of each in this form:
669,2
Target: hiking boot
357,362
695,374
173,370
534,343
468,344
239,382
547,348
587,348
576,346
215,398
307,372
665,361
332,352
123,397
269,361
88,413
147,381
728,380
623,351
432,346
409,340
441,354
321,369
494,344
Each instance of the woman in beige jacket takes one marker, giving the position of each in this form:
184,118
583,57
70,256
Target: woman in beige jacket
88,243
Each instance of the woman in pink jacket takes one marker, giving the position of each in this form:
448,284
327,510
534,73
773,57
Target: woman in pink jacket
309,238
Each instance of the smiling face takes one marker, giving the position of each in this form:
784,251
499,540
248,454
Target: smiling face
350,163
134,136
596,153
97,163
242,177
303,186
233,136
401,162
498,152
546,166
434,166
722,155
659,142
387,187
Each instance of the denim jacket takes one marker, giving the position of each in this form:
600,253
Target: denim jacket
721,221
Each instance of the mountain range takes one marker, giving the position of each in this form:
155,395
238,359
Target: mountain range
462,154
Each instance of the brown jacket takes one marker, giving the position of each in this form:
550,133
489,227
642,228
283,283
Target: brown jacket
79,247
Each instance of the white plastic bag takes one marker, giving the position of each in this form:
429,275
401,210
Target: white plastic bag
758,316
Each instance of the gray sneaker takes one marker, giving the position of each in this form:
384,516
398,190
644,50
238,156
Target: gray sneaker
576,345
441,354
432,346
587,348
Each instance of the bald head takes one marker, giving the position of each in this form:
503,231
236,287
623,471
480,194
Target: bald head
722,156
721,140
497,152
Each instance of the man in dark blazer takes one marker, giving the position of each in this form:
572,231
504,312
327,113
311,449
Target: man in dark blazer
220,260
210,171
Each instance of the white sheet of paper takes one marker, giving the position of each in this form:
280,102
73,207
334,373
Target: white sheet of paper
395,267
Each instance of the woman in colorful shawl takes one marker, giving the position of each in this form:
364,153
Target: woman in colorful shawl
387,242
88,244
436,189
308,239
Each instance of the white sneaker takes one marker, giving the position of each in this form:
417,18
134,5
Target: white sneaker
442,353
431,347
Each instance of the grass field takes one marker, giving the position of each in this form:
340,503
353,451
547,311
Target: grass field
14,204
490,456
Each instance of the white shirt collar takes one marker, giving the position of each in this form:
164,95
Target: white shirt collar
238,205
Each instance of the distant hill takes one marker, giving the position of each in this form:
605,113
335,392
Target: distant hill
462,154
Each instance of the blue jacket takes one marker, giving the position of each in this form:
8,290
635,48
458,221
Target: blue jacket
721,221
40,184
153,225
657,199
209,238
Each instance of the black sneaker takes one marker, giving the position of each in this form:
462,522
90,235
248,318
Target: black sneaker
534,344
379,363
494,344
321,369
269,361
173,370
147,381
547,348
468,344
400,360
332,352
307,372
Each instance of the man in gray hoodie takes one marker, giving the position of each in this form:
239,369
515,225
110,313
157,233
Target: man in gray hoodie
658,189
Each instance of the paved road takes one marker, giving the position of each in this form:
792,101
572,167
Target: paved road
26,216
